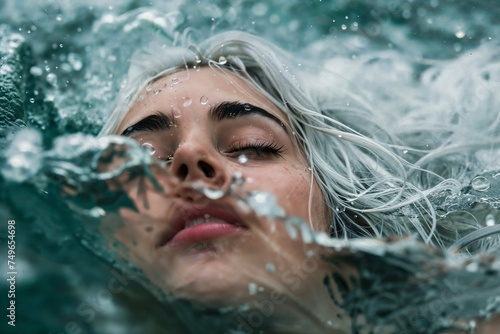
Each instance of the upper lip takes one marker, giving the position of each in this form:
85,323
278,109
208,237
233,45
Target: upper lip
186,213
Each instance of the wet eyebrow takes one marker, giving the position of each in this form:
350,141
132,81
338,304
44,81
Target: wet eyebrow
155,122
232,110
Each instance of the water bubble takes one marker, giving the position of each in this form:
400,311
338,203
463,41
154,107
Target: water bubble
252,288
260,9
204,100
490,220
32,100
222,60
149,148
52,79
197,59
242,159
175,81
343,27
247,107
460,34
480,183
36,71
5,69
187,102
24,158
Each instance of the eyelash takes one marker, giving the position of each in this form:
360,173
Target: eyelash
259,148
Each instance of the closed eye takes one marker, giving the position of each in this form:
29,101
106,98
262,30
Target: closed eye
256,150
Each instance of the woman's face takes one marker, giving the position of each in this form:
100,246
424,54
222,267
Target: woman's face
210,124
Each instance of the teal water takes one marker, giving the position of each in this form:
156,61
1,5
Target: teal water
63,62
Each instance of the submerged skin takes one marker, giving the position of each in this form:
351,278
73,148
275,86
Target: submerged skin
257,262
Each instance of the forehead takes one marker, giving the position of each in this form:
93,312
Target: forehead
204,81
198,88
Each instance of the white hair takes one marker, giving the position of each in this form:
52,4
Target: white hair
372,188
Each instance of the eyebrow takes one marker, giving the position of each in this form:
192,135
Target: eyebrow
231,110
217,113
155,122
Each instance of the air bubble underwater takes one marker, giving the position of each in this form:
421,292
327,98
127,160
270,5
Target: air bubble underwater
480,183
490,220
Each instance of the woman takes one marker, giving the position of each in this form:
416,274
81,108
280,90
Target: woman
229,110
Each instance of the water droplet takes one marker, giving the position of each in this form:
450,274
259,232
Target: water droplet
460,34
247,107
175,81
480,183
211,193
252,288
343,27
197,60
490,220
149,148
176,112
204,100
222,60
32,100
97,212
270,267
187,101
242,159
405,151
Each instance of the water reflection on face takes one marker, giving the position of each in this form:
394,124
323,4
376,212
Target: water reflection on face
208,124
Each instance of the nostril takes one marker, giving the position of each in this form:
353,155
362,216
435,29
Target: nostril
182,172
207,169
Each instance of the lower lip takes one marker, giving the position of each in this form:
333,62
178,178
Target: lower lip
203,232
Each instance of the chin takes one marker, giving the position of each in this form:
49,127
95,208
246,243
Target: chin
214,282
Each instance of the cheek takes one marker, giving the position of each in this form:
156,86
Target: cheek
291,185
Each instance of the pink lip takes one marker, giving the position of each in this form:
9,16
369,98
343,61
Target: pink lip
223,223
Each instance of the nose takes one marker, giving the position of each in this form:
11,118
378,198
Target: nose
196,160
